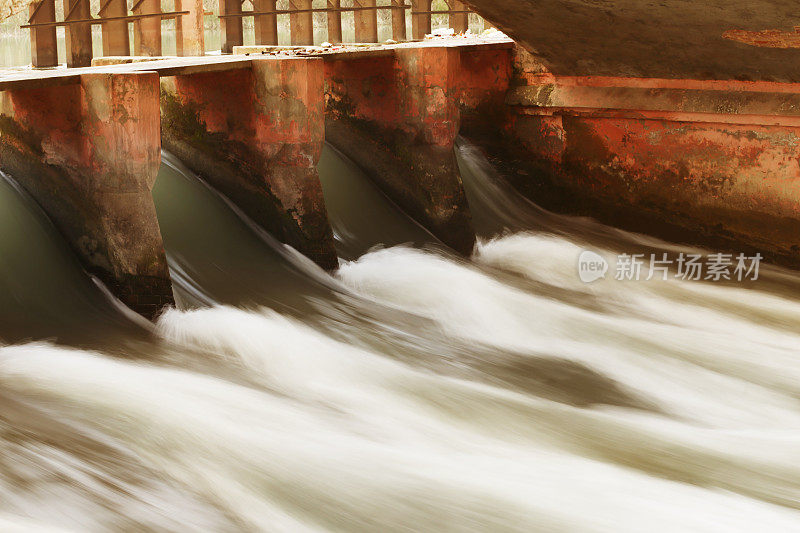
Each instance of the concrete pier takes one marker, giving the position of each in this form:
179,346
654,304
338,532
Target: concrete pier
86,144
89,153
396,111
256,135
396,115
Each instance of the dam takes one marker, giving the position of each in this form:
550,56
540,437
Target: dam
376,265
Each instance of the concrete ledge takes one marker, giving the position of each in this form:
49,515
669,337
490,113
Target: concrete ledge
60,77
689,105
105,61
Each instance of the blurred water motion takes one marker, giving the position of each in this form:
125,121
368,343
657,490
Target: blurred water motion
411,391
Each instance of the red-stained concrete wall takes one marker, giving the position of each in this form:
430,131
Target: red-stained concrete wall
412,90
256,134
89,154
719,158
483,79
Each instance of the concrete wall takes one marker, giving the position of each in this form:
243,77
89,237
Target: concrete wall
716,161
396,115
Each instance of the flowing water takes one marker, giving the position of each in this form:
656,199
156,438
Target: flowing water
412,390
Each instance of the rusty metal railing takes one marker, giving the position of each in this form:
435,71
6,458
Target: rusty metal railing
146,16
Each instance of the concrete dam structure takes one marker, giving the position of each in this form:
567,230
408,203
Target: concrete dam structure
703,150
399,265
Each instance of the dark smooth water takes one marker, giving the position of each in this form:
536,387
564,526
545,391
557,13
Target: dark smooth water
44,292
362,217
217,256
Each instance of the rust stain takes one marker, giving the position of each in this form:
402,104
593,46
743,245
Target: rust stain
766,38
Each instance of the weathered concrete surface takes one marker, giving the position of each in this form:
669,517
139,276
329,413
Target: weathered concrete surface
710,162
397,116
483,80
708,40
256,135
89,153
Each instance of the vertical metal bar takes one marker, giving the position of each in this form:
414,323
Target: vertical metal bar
334,22
79,36
190,28
420,23
231,30
44,52
458,21
399,21
266,26
366,21
147,31
115,32
302,24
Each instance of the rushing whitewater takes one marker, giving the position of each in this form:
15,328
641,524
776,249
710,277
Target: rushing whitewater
412,390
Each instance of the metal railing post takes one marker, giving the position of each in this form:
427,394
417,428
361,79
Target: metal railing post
44,51
147,30
399,20
115,32
231,30
266,26
334,22
190,28
366,21
78,35
302,23
421,21
459,20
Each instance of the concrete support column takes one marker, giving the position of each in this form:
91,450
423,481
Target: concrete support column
147,31
190,28
302,24
89,154
366,21
397,118
44,51
256,135
266,26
